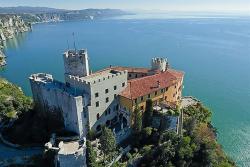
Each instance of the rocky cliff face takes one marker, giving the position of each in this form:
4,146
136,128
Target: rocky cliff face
10,25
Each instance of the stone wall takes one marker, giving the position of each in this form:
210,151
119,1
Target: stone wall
54,99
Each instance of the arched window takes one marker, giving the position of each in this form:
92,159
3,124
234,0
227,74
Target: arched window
97,116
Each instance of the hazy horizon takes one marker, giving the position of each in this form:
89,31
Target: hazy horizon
160,5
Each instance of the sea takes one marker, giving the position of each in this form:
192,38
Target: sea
213,51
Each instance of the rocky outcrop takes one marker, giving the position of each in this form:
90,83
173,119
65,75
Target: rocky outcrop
10,25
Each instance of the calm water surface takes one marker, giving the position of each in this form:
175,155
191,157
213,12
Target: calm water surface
214,53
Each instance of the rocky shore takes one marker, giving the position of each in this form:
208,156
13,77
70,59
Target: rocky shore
10,25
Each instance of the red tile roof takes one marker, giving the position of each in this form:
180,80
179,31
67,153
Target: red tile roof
145,85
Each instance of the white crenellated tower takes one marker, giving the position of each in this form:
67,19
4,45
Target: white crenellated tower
76,63
159,64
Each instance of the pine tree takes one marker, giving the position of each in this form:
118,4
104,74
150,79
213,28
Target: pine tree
91,155
108,144
147,117
137,120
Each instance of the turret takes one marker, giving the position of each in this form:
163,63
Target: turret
160,64
76,63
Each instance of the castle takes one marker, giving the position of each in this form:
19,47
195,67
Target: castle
90,100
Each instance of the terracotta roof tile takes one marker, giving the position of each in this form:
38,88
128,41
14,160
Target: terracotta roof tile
145,85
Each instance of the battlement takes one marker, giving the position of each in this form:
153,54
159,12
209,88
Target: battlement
159,60
98,77
48,83
159,64
41,77
75,53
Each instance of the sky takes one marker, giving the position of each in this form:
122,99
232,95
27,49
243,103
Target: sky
172,5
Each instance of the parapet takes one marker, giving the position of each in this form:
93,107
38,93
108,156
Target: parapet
159,64
98,77
157,60
41,77
75,53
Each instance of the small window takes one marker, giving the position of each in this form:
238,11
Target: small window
129,75
106,112
109,110
107,100
96,94
142,98
166,97
115,87
106,90
117,107
123,84
162,90
135,75
148,95
135,100
166,89
97,116
155,93
142,107
97,104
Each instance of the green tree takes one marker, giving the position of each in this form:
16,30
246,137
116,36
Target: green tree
147,117
108,144
90,155
137,120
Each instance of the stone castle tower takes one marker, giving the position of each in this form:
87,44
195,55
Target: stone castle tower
76,63
160,64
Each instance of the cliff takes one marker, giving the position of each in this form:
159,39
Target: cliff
43,14
10,25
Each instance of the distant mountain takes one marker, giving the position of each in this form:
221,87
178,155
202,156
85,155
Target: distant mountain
30,10
44,14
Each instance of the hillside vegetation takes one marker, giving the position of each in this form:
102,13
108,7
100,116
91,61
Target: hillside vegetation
13,102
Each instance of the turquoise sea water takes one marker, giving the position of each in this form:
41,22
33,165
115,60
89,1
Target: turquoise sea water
214,53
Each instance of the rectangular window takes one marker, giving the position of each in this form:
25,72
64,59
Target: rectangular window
97,104
142,98
166,89
162,90
96,94
106,90
135,100
115,87
107,100
166,97
148,95
155,93
123,84
129,75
